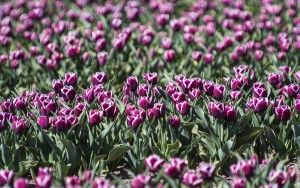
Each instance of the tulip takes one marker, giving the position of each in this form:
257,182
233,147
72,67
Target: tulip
197,55
88,95
43,122
167,43
132,83
208,58
183,107
169,55
216,109
153,163
238,182
151,78
109,108
140,181
275,79
21,183
192,179
72,182
283,112
219,91
297,105
206,170
68,93
99,78
19,126
293,90
258,104
144,102
6,177
60,123
279,177
100,182
229,112
95,116
71,78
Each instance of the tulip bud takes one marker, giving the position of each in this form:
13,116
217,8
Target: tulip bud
6,177
216,109
99,78
229,112
95,116
132,83
297,105
43,122
153,163
57,85
238,182
21,183
206,170
169,55
174,121
151,78
68,93
183,107
72,181
219,91
140,181
19,126
71,78
283,112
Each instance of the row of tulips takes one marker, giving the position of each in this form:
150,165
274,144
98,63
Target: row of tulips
199,115
144,35
160,173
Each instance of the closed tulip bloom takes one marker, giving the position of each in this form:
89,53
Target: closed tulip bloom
219,91
174,121
68,93
132,83
71,78
102,58
73,182
297,105
95,116
151,78
140,181
183,107
144,102
235,95
153,163
259,54
292,90
216,109
19,126
99,78
20,103
169,55
78,109
278,176
43,122
6,177
143,90
109,108
275,79
167,43
236,84
206,170
258,104
197,55
195,94
57,85
88,95
238,182
100,182
192,179
175,167
60,123
283,112
21,183
229,112
260,92
208,58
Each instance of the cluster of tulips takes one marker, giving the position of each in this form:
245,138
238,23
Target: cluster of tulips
161,173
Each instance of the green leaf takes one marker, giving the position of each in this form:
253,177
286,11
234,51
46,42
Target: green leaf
26,166
116,153
72,152
200,113
273,140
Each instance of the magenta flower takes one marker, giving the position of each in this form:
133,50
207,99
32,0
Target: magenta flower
283,112
21,183
169,55
153,163
140,181
192,179
99,78
6,177
216,109
95,116
71,78
183,107
19,126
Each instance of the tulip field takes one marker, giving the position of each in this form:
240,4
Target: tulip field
150,93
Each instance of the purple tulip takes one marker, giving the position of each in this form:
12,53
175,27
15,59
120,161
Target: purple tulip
183,107
72,182
144,102
175,167
21,183
95,116
174,121
132,83
279,177
151,78
216,109
219,91
235,95
100,182
6,177
88,95
206,170
153,163
20,103
60,123
197,55
167,43
109,108
71,78
102,58
283,112
43,122
68,93
140,181
208,58
259,92
99,78
192,179
275,79
169,55
293,90
19,126
258,104
297,105
238,182
229,112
